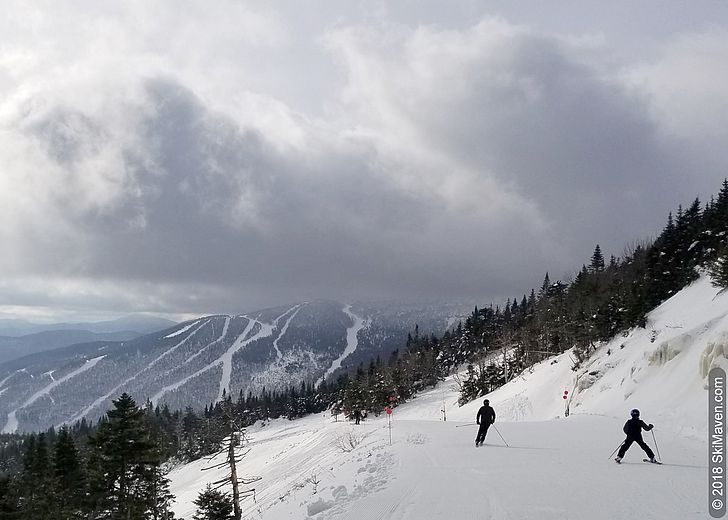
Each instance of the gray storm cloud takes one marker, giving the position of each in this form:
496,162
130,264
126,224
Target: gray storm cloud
449,163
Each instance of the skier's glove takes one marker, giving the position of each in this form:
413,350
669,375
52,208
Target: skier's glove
651,426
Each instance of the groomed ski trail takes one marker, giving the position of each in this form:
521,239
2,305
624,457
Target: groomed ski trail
352,341
227,358
283,331
12,423
218,340
181,331
552,470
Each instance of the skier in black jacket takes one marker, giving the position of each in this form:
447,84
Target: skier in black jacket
486,417
633,428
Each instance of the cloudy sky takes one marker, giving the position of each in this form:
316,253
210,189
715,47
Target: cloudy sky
202,157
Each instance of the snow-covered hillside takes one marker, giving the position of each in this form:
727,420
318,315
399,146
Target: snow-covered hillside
555,467
193,363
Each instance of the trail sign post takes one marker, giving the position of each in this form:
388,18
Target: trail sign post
389,423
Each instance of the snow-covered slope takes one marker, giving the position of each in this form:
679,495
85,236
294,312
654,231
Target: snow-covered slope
660,369
555,467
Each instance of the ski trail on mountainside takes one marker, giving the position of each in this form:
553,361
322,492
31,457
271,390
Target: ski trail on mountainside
352,342
180,331
174,386
218,340
103,398
12,423
283,331
227,358
266,329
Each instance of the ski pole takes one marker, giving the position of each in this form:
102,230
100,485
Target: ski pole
499,433
615,450
461,425
656,446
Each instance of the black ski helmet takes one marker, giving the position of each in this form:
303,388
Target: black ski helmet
486,402
635,413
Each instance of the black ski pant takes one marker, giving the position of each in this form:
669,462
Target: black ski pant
642,444
481,433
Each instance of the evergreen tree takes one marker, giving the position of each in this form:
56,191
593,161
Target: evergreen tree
156,495
715,220
36,483
70,478
718,270
213,505
663,275
545,285
128,466
8,501
597,260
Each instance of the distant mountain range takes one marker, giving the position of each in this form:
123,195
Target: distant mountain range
20,338
138,323
195,362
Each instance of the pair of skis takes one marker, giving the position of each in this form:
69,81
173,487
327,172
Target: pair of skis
643,460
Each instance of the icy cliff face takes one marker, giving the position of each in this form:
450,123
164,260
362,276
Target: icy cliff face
715,355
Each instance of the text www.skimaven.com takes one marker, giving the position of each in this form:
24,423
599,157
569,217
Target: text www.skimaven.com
716,443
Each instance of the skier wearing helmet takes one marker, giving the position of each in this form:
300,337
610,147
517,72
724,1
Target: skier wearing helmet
633,428
486,417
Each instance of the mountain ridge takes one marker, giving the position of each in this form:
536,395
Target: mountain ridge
134,322
193,362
